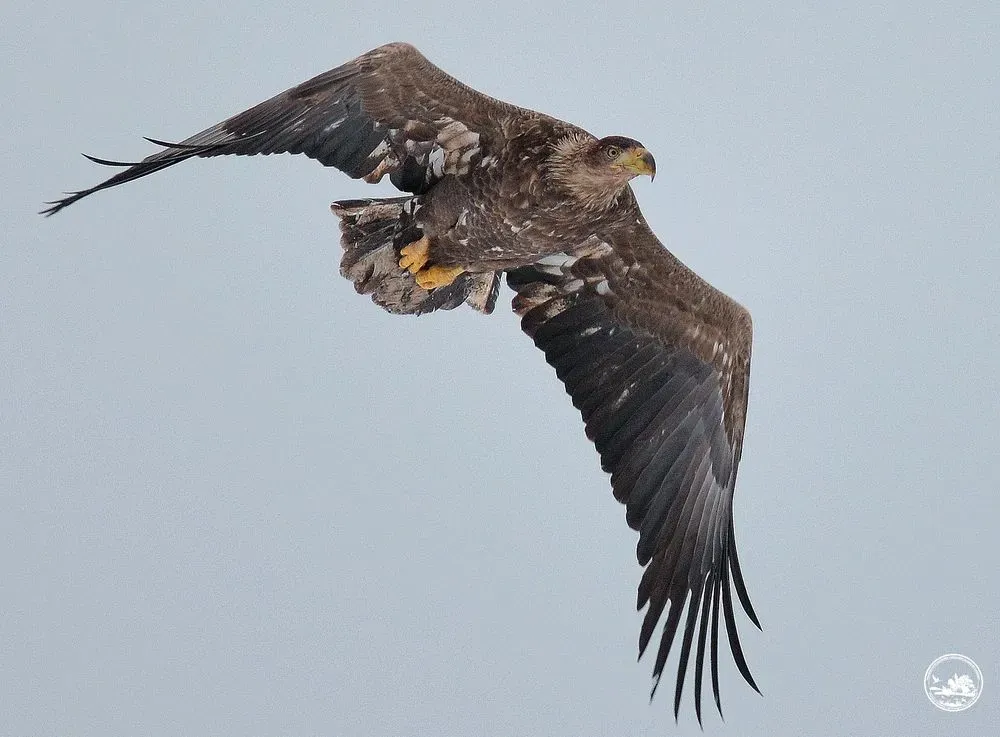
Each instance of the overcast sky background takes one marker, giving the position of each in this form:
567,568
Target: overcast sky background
239,499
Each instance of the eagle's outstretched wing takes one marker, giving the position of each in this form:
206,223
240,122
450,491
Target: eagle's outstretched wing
658,363
390,111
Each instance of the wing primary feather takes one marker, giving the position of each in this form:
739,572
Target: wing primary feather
677,601
635,460
731,631
167,144
654,483
741,588
653,584
682,507
164,160
682,662
665,524
699,661
710,558
651,591
716,588
661,497
120,178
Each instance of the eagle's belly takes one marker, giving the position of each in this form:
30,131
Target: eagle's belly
477,223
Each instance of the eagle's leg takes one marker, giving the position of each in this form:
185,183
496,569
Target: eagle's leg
413,258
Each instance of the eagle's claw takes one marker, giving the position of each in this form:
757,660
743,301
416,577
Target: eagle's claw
437,276
414,256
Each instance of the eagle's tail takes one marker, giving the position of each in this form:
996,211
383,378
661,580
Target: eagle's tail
372,232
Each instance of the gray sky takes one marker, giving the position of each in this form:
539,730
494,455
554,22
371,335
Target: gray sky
239,499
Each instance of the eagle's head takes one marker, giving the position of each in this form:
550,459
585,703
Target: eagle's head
619,159
597,171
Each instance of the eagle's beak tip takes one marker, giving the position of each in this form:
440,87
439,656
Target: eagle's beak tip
650,164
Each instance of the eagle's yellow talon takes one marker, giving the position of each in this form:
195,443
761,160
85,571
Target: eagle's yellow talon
414,256
437,276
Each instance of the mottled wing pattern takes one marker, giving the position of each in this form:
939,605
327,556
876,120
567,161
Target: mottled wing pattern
663,396
371,229
390,111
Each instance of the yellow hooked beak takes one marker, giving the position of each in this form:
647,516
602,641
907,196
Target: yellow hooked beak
638,161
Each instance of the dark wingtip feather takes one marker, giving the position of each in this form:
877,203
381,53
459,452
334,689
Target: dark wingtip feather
188,150
741,587
168,144
733,634
57,205
714,640
176,158
699,665
109,162
689,628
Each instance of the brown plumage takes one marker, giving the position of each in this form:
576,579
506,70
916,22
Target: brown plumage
656,360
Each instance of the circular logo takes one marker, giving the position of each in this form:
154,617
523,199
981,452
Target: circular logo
953,682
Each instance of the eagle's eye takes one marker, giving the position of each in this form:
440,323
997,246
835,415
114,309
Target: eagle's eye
613,152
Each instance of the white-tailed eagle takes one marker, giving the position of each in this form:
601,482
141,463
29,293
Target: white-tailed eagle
656,359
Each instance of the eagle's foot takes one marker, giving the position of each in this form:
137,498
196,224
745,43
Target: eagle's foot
437,276
413,257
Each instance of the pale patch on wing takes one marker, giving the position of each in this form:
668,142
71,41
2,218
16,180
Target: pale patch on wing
459,145
483,292
561,266
720,350
555,264
387,162
379,151
436,161
326,129
593,247
453,150
560,260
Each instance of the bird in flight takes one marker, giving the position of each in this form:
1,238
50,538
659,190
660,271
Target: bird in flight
655,358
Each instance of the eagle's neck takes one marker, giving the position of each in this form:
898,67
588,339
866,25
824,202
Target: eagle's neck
569,169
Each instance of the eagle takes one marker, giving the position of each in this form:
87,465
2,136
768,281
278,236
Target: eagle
656,360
